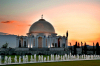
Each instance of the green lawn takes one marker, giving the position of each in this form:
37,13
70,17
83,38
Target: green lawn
67,63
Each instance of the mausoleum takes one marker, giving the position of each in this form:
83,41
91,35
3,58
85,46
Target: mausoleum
41,39
42,35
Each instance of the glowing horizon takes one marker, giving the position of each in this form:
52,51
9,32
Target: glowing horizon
80,18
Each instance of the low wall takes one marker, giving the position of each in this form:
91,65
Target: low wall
39,49
21,49
33,52
56,49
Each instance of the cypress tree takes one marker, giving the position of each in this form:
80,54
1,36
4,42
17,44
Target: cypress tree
85,49
97,48
93,49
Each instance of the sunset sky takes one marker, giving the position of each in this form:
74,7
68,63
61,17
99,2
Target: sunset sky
80,17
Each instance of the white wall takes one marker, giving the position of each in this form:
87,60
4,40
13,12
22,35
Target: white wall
10,39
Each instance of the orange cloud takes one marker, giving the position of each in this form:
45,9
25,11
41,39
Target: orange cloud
29,25
15,27
8,22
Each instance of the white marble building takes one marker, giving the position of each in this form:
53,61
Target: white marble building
42,35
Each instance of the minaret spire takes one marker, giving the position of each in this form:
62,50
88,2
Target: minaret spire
42,16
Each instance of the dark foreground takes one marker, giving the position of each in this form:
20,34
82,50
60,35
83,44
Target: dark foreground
67,63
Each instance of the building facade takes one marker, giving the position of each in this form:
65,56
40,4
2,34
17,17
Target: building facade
42,35
41,39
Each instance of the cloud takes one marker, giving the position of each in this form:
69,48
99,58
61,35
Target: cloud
8,22
29,25
1,33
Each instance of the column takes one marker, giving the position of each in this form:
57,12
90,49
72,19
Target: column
18,42
50,42
36,42
23,42
26,42
54,42
43,45
32,42
60,42
47,42
29,42
57,41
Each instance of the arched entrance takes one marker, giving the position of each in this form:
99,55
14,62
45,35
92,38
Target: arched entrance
59,41
21,42
40,42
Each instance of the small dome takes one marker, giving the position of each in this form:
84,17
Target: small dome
41,26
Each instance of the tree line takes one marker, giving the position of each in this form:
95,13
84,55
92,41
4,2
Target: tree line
85,49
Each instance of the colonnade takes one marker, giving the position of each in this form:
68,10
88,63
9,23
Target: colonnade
33,42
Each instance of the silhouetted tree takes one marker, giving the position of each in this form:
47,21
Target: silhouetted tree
75,46
93,49
70,47
78,45
5,45
82,47
85,49
70,44
97,48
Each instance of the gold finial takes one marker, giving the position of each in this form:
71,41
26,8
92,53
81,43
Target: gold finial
42,16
